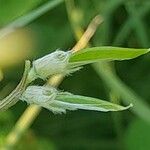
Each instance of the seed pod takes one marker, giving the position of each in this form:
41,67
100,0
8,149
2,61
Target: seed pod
54,63
40,95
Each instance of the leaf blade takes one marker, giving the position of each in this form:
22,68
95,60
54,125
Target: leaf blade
67,101
94,54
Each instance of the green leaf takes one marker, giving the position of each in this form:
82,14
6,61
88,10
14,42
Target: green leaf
94,54
66,101
34,14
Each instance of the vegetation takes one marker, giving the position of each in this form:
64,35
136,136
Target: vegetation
96,77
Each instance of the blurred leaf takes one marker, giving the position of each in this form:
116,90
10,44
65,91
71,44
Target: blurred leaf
137,136
34,142
26,19
13,9
1,75
95,54
67,101
30,138
6,123
6,118
138,23
22,21
141,108
45,144
2,137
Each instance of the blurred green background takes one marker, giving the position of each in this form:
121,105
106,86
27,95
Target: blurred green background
126,23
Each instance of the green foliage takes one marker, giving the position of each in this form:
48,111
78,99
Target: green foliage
35,143
56,63
125,93
72,102
16,9
95,54
137,137
126,24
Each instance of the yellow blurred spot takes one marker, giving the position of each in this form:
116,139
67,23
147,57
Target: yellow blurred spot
15,47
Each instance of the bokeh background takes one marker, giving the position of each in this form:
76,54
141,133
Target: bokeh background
126,23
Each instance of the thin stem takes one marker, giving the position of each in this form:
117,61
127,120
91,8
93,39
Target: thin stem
97,20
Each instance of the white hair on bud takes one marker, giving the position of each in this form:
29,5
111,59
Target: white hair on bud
41,95
54,63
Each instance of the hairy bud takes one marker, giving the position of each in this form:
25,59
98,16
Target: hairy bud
41,95
51,64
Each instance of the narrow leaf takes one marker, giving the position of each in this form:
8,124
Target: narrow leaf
94,54
67,101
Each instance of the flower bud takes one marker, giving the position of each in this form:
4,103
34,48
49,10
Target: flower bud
40,95
54,63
